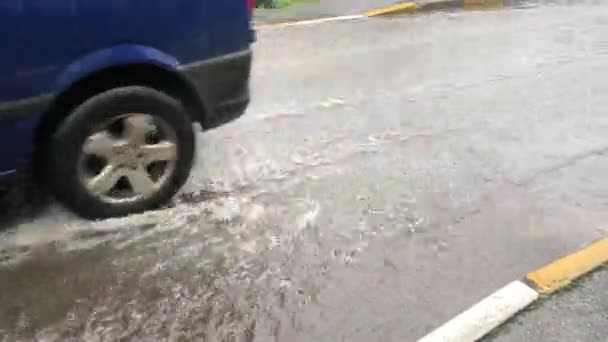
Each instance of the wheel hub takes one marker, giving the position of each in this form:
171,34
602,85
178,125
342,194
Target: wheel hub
133,161
127,155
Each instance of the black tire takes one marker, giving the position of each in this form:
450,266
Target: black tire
67,141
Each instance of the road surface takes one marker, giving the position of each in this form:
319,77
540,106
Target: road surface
388,174
579,313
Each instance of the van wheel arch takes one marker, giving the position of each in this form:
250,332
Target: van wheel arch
147,75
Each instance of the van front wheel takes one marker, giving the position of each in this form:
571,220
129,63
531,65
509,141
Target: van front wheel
123,151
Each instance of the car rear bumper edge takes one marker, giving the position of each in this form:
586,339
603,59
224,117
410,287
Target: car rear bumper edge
222,83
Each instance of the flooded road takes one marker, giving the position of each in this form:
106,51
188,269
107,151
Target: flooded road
388,174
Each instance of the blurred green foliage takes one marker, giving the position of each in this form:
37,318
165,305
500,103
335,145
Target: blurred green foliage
272,3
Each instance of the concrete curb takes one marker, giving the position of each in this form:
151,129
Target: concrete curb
399,8
503,304
415,7
307,22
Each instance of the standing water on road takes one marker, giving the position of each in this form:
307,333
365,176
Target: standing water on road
387,175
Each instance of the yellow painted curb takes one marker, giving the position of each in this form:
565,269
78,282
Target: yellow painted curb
406,7
482,4
562,272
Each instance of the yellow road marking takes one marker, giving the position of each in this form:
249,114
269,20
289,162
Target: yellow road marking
406,7
563,271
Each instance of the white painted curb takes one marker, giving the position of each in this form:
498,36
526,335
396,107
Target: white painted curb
310,22
484,316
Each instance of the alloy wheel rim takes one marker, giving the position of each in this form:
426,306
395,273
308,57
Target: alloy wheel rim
128,159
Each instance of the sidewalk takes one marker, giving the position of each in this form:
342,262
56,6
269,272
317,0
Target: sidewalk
577,314
298,11
318,9
313,9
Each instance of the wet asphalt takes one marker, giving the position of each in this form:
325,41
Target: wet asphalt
388,174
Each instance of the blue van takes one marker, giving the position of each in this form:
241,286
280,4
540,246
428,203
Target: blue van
100,95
